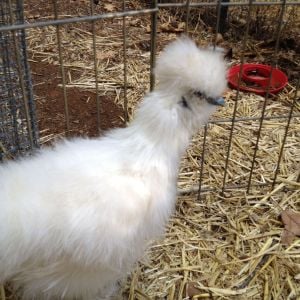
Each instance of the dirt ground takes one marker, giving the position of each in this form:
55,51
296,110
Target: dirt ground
82,105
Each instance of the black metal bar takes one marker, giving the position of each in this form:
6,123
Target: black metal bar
153,43
131,13
201,4
245,119
218,23
223,17
78,19
237,96
186,29
234,187
126,117
95,68
286,132
30,96
62,69
202,164
278,31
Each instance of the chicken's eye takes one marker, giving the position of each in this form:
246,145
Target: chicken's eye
198,94
184,103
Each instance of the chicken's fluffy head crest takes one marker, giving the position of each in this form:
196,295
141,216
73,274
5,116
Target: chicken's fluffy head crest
182,66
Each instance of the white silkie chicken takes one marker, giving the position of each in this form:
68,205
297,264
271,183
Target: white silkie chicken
75,218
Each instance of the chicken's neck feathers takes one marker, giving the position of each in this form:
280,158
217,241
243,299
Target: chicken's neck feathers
156,136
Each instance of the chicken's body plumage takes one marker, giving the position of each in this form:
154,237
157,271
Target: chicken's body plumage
75,218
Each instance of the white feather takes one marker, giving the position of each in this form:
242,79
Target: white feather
75,218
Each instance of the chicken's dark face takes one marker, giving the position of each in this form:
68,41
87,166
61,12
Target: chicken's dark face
189,100
196,107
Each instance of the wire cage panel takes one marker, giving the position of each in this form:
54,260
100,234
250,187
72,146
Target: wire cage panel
62,23
18,129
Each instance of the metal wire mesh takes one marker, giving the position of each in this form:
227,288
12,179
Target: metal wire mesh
18,131
20,123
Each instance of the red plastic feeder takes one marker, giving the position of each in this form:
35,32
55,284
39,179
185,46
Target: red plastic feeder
255,78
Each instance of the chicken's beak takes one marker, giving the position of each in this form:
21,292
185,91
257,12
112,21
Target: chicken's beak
216,101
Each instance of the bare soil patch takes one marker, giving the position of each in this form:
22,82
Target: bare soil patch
82,105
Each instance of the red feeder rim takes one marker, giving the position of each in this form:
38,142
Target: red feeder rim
255,78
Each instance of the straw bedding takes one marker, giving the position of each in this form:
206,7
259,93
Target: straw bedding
221,246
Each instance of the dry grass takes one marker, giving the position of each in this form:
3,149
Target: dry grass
229,249
227,246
